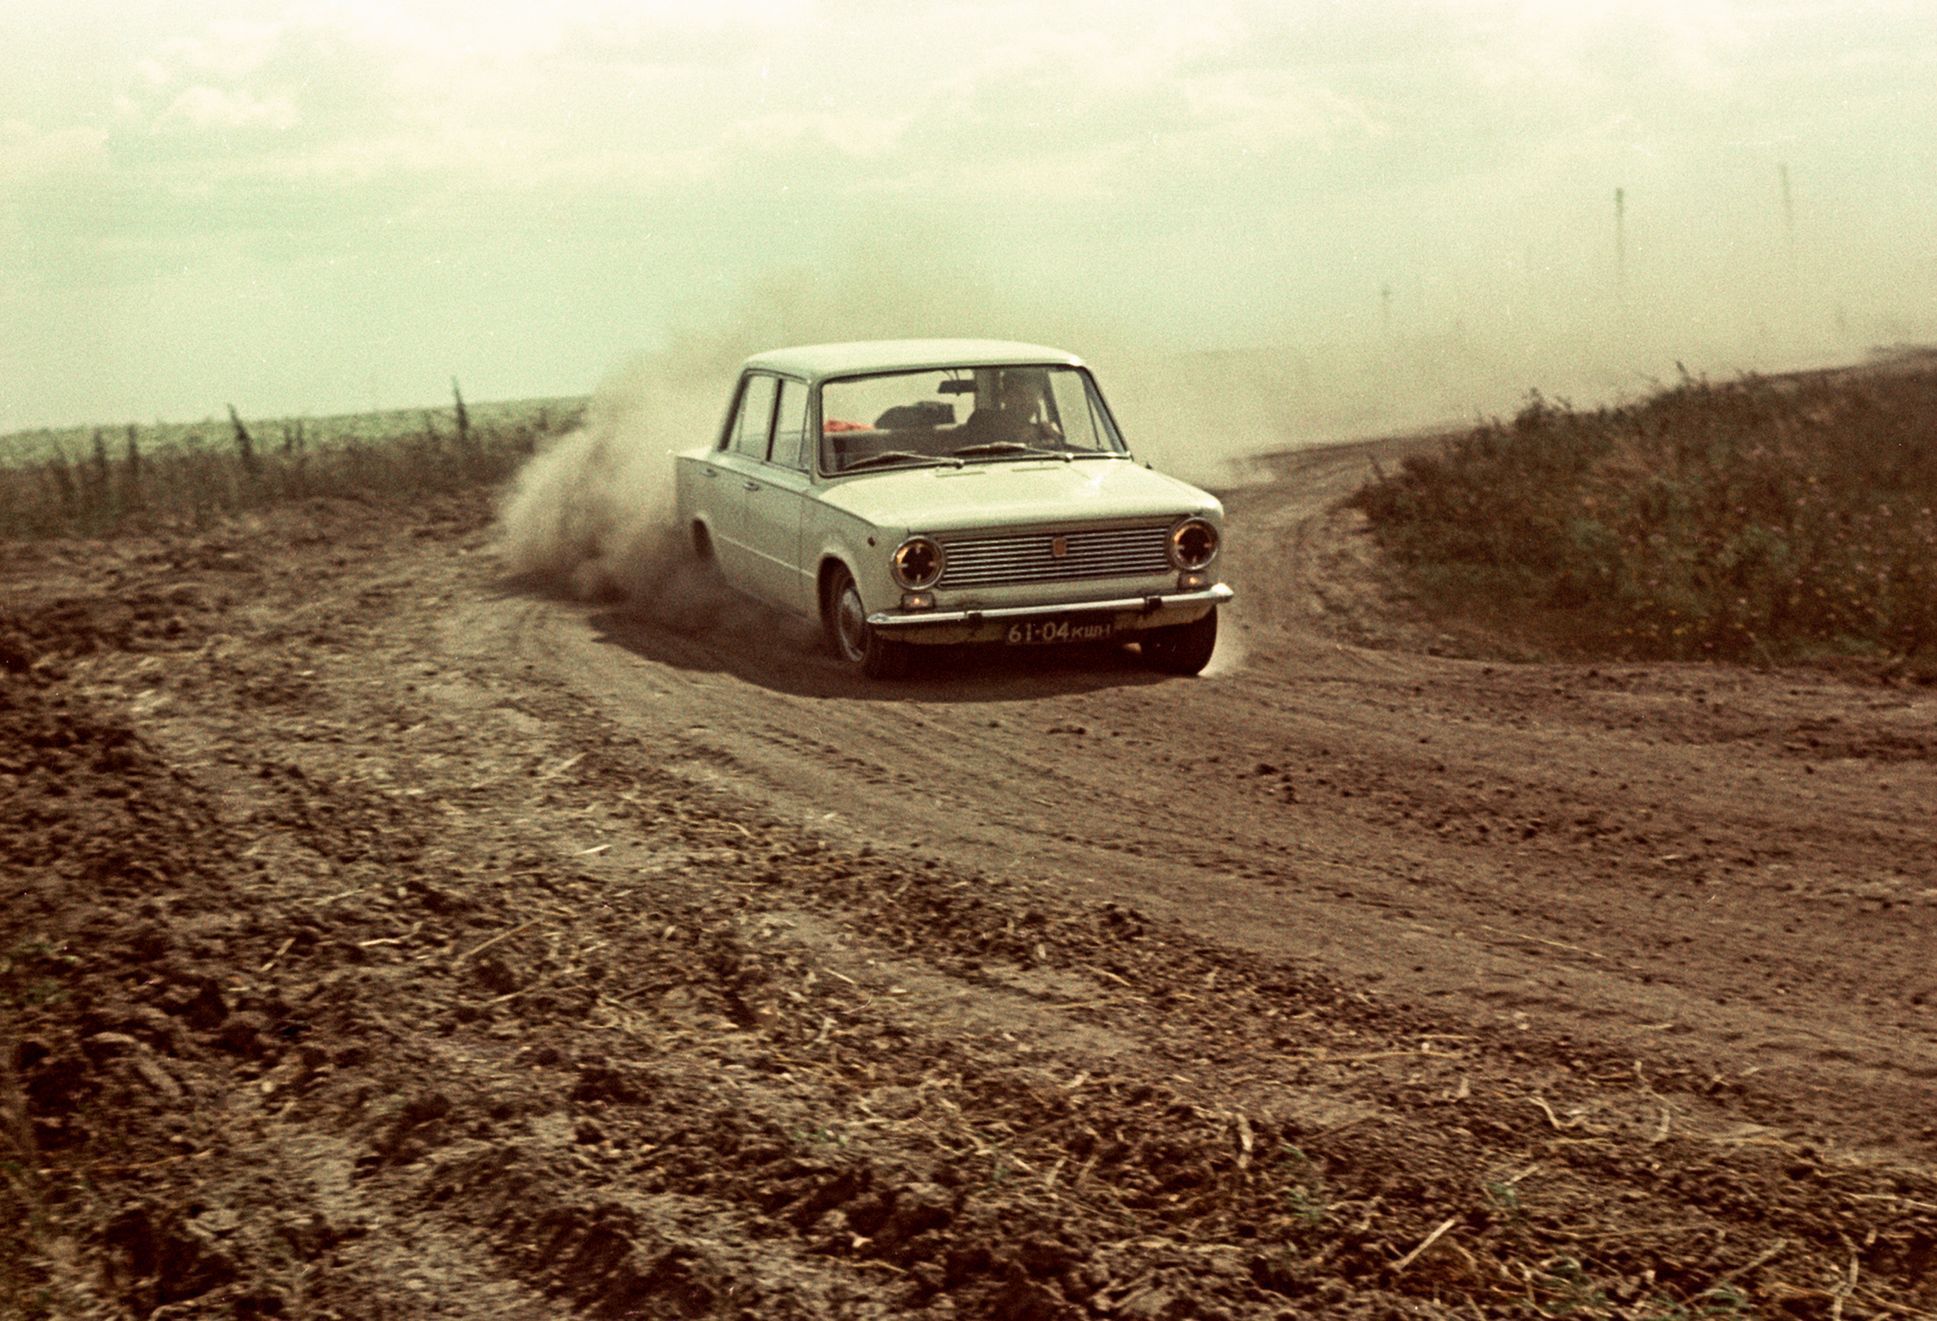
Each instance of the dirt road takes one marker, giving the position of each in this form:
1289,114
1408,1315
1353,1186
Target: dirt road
436,948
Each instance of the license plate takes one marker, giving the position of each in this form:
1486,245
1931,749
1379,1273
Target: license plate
1059,629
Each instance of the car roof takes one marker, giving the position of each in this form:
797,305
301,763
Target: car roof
818,361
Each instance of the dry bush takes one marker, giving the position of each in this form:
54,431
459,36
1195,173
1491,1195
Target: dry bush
1765,519
196,479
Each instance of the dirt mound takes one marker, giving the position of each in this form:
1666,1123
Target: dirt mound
78,626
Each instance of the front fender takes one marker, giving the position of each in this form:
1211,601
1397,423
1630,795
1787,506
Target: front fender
863,550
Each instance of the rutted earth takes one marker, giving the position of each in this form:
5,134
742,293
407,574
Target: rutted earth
382,940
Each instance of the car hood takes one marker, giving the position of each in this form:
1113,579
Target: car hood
1016,492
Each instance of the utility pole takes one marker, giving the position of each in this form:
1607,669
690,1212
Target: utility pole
1621,246
1788,216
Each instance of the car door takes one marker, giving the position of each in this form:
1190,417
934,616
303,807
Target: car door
730,475
776,495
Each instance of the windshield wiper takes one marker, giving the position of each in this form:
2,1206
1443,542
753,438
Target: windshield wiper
893,456
1005,447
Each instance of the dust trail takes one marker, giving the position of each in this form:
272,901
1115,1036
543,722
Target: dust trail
592,515
1229,657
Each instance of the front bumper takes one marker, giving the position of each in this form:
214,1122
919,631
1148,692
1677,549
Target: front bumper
1128,615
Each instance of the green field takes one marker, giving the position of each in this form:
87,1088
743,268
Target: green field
88,481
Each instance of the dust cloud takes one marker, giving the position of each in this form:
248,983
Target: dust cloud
591,515
1206,414
1231,653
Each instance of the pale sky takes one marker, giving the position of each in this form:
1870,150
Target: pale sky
324,207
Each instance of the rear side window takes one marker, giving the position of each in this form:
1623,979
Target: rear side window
790,426
754,423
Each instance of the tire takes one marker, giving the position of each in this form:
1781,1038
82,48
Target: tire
1182,648
853,639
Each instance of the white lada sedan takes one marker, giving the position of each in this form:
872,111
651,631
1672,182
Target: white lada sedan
907,493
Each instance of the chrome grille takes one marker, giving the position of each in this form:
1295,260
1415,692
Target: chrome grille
983,561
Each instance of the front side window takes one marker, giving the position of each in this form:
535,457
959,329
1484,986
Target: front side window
964,414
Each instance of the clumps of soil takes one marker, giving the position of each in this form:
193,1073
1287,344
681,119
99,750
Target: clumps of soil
112,983
351,1003
56,631
89,801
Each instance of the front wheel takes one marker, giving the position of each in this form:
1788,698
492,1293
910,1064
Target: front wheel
855,640
1182,648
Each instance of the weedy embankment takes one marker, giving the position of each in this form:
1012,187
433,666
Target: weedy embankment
1767,519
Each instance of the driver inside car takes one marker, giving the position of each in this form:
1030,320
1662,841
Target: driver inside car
1017,415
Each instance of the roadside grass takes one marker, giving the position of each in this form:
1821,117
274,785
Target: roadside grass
53,485
1769,519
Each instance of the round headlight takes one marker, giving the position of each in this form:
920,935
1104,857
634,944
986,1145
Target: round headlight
917,563
1193,543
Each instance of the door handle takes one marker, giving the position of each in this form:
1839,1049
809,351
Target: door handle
752,486
709,472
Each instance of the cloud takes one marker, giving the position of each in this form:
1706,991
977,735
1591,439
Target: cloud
249,101
848,133
1085,104
221,50
226,110
28,152
1227,168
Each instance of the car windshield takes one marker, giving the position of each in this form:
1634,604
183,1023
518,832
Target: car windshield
963,415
